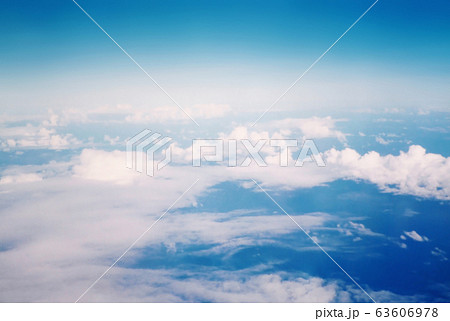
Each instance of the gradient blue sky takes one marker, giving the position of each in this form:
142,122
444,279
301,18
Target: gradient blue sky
55,53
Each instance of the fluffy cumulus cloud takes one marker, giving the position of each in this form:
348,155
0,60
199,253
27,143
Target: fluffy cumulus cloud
31,136
414,172
269,141
40,132
104,166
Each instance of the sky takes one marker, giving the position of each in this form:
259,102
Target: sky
232,52
376,106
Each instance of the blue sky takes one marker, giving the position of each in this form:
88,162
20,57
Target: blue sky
376,107
56,53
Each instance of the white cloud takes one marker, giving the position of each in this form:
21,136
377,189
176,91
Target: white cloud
224,287
416,237
409,212
423,112
363,230
31,136
291,129
229,286
414,172
314,127
441,254
382,141
435,129
53,119
112,141
73,226
104,166
20,178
